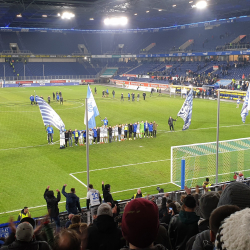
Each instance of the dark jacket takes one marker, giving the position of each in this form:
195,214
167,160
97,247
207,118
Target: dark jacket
52,203
202,240
181,228
66,135
33,245
106,195
72,202
104,234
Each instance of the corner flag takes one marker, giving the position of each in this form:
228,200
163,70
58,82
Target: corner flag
245,107
92,110
186,110
50,117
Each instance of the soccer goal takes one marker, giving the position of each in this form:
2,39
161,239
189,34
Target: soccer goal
200,161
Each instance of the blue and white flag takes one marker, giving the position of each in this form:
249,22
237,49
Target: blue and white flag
50,117
245,107
92,110
186,110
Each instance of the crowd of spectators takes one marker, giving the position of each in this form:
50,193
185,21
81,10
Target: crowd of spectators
208,220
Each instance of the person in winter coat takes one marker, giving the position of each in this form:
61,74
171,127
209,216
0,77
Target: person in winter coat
72,201
52,205
106,193
185,225
104,234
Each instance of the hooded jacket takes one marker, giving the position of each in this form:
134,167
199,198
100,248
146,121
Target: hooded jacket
106,194
181,228
52,202
72,202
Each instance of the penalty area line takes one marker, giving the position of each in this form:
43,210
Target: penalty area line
78,180
128,165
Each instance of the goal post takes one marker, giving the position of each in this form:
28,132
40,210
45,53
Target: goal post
200,161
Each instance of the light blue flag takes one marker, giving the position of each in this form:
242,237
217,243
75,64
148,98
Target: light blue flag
92,110
49,115
186,110
244,110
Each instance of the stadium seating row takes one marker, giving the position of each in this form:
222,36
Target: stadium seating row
134,43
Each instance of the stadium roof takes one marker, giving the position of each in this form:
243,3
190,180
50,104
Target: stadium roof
89,14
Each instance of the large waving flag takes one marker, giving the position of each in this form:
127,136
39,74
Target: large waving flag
186,110
50,117
245,107
92,110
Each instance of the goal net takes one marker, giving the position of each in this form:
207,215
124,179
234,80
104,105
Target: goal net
200,161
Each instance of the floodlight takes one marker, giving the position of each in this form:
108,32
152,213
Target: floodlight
44,16
123,20
147,11
67,15
174,5
91,19
201,5
19,15
116,21
160,10
58,14
135,14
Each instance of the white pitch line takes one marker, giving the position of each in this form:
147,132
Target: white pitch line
164,131
133,164
27,146
78,180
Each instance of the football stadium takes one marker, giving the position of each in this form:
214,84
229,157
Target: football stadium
116,113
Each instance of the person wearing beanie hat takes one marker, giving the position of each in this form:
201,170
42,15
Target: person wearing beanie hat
104,233
25,239
231,238
24,232
235,193
208,202
183,227
140,224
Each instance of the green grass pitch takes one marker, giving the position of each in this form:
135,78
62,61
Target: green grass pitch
29,164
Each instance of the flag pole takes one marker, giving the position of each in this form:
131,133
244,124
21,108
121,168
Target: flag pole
87,139
217,138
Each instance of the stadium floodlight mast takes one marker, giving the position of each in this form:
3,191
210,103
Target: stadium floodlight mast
114,21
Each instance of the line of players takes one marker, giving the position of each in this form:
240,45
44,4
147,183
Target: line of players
108,134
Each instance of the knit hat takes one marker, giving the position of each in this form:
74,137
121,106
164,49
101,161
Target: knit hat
208,202
107,186
233,233
236,193
24,232
140,222
189,201
104,209
30,220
